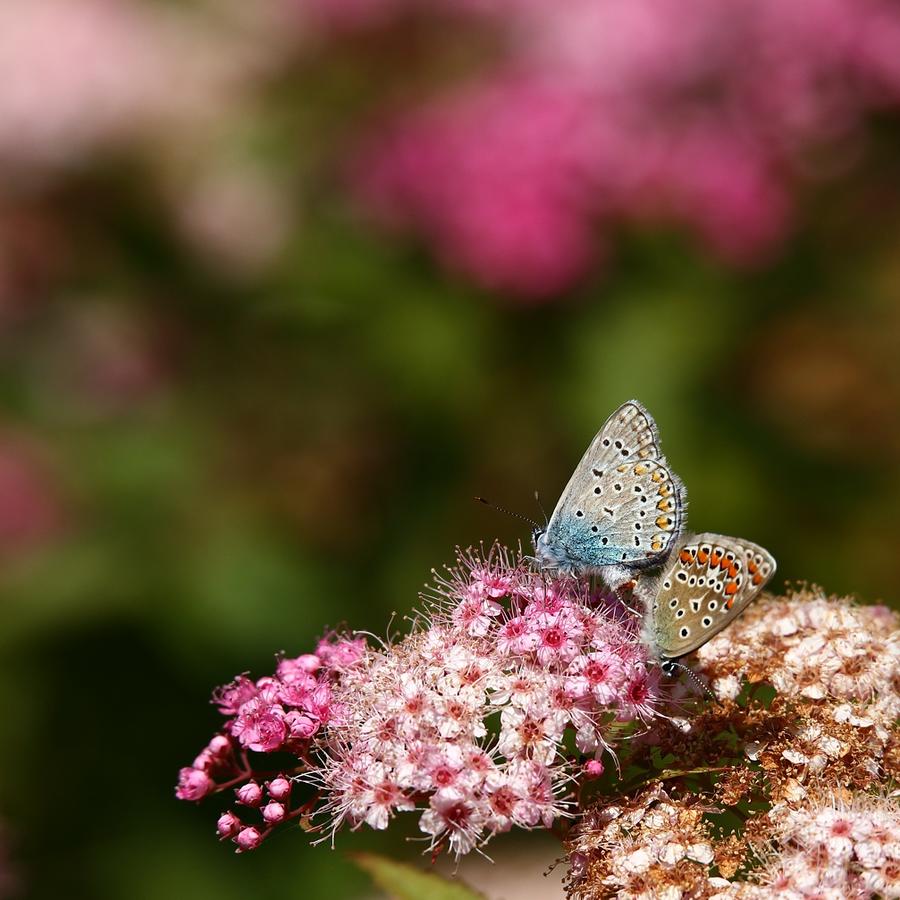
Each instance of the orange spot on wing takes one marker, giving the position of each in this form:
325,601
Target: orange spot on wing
702,557
757,578
731,589
752,567
685,557
716,559
729,603
733,570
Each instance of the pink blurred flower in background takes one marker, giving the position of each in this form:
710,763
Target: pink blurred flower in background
174,87
495,177
592,115
75,73
31,510
698,114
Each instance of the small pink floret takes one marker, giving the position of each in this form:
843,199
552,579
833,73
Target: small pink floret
260,726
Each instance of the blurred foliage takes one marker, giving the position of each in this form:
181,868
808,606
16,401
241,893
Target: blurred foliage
405,882
206,459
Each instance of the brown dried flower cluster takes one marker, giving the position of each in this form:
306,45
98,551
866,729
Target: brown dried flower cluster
835,668
781,788
644,846
656,847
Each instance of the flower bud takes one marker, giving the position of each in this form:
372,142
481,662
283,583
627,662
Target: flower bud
193,784
273,812
228,825
248,839
204,759
279,788
593,768
219,745
250,794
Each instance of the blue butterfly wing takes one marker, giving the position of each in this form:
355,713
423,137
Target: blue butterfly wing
622,505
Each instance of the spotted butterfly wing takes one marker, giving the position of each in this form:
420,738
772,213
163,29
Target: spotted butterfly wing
708,583
622,505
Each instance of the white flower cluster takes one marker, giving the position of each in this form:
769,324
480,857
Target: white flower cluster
816,648
830,850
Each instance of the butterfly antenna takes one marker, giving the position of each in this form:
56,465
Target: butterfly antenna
508,512
537,497
704,687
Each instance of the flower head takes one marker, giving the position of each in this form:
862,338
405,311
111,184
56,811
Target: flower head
465,718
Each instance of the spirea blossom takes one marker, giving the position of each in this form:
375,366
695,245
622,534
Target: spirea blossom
649,847
655,846
835,663
469,720
832,848
815,647
496,710
803,748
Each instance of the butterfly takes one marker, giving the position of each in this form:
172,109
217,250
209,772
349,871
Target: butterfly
707,583
623,508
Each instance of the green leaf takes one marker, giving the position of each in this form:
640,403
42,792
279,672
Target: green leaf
404,882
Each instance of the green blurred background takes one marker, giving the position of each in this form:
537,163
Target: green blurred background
223,430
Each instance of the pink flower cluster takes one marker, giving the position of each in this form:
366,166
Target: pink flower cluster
464,720
282,713
691,112
32,511
78,74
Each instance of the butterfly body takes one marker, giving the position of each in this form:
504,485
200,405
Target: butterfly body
622,509
707,583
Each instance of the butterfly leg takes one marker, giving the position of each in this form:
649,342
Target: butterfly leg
616,578
623,582
645,590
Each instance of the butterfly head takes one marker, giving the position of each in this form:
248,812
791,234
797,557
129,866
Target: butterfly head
669,666
547,554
